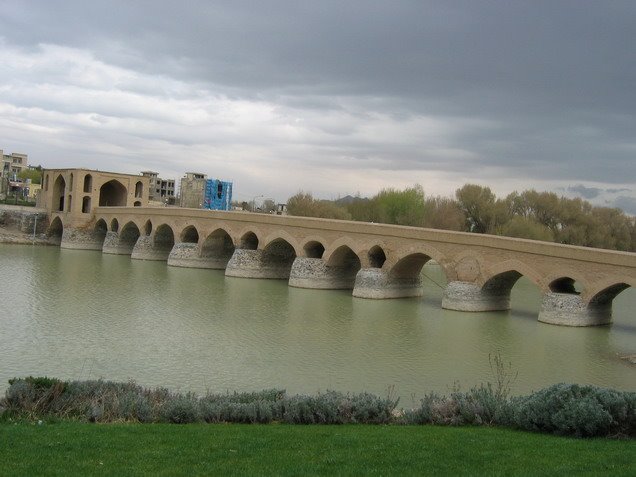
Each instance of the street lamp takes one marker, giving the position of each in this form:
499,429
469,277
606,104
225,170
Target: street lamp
254,202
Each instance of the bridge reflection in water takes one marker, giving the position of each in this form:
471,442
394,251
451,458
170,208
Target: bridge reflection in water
376,261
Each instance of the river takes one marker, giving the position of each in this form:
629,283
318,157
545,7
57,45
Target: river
81,314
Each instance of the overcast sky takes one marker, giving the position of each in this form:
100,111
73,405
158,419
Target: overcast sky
331,97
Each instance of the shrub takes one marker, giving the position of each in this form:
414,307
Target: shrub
480,406
581,411
181,410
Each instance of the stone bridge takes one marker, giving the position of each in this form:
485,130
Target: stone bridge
374,260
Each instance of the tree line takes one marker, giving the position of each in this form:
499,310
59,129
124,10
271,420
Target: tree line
529,214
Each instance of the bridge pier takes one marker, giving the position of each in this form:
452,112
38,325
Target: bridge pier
145,250
82,239
377,284
569,310
258,264
113,244
315,273
467,296
188,255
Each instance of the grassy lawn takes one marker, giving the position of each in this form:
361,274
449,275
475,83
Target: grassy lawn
197,449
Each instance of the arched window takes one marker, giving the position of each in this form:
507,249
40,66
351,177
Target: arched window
88,183
86,204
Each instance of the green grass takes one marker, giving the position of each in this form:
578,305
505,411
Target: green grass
69,448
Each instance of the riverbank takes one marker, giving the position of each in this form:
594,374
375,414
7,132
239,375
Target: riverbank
23,225
72,448
18,238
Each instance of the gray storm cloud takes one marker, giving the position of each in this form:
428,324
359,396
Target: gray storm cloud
509,94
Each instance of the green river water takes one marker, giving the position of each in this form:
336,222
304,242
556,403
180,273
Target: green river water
82,314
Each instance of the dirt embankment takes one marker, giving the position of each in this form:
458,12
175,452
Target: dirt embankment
17,237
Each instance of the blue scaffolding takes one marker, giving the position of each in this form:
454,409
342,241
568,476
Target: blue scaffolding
218,195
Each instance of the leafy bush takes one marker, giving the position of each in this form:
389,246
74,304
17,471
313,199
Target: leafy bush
581,411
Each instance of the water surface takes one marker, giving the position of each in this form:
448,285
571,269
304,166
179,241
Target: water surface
82,314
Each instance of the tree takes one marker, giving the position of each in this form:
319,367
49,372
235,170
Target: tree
478,205
401,207
34,174
443,213
526,227
303,204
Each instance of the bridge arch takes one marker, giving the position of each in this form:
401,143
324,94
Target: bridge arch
113,194
249,241
409,261
336,246
100,230
55,231
163,239
314,249
218,244
565,281
409,266
114,225
190,235
286,237
344,257
376,256
280,248
129,235
504,275
148,227
607,295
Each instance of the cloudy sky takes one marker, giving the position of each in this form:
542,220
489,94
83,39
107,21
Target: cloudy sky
332,97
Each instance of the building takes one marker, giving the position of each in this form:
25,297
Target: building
12,165
199,192
192,190
160,189
77,191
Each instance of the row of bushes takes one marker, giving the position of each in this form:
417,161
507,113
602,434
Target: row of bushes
564,409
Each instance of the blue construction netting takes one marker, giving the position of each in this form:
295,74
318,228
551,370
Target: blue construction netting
218,195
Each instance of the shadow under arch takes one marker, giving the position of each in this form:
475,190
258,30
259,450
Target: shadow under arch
376,256
280,254
277,236
606,295
129,235
249,241
55,231
344,263
100,230
504,275
219,245
189,235
163,239
314,249
565,282
410,266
